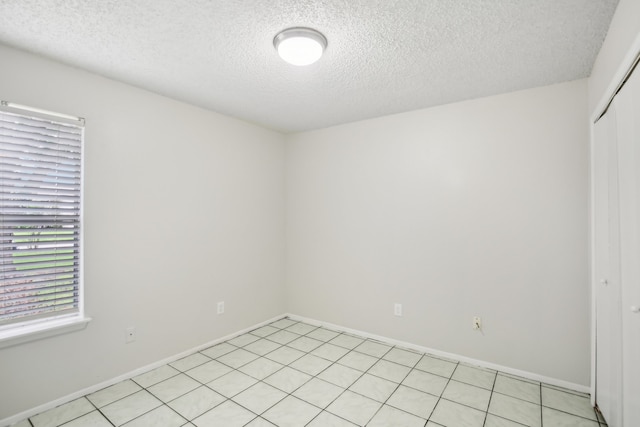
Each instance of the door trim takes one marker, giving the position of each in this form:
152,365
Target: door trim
625,68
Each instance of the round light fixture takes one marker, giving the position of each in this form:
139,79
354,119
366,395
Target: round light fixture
300,46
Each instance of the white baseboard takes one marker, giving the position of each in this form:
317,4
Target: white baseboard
92,389
517,372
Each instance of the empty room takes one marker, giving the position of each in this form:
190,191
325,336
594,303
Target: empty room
327,213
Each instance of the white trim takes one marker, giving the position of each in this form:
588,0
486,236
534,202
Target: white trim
42,328
524,374
81,287
591,263
621,74
73,396
40,111
625,67
53,324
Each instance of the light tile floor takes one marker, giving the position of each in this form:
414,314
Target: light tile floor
291,374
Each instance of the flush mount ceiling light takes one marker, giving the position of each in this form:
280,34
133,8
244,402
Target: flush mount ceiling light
300,46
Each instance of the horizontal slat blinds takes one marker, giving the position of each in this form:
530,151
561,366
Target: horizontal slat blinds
40,178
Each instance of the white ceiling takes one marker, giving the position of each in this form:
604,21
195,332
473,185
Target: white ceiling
383,57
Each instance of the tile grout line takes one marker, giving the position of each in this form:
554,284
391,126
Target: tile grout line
541,411
445,387
103,415
486,413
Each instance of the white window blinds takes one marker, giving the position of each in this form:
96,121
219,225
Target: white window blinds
40,190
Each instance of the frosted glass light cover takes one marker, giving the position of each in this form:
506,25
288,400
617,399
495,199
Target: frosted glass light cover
300,46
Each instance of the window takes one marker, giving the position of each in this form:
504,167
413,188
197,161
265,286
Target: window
40,220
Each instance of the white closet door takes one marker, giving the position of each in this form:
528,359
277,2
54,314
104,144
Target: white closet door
627,106
606,264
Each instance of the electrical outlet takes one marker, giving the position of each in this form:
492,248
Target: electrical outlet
397,310
130,335
477,323
221,307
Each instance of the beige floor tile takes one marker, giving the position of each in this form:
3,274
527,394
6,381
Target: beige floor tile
568,402
196,402
291,412
416,402
450,414
355,408
551,417
319,393
161,416
232,383
155,376
468,395
287,379
515,410
227,414
63,413
388,416
259,397
474,376
125,410
424,381
115,392
375,388
402,357
516,388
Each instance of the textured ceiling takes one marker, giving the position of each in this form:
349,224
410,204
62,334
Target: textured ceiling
383,57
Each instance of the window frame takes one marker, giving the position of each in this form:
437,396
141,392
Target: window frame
54,324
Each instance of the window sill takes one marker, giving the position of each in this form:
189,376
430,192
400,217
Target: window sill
40,330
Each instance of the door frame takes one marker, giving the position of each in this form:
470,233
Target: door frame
623,71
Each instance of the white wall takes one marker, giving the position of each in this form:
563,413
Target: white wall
183,208
474,208
623,31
